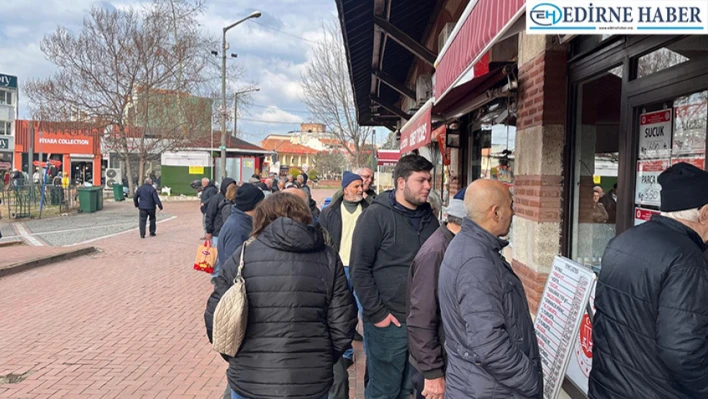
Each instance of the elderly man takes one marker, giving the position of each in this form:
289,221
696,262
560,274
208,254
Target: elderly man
386,239
147,200
367,177
490,338
651,325
426,338
339,219
208,191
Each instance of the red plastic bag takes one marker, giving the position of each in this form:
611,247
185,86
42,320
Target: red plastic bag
206,258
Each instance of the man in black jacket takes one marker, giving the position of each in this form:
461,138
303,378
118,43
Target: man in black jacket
651,325
426,338
386,238
489,335
339,220
208,191
214,219
146,199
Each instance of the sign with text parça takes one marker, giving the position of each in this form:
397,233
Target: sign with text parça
560,313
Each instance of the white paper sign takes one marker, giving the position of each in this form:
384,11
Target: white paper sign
648,189
655,134
558,320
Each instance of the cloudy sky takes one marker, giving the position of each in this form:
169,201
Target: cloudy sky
273,49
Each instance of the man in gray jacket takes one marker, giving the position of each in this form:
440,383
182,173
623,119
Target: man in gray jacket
490,339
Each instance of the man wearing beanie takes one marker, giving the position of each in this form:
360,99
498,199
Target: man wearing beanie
650,331
339,219
238,226
426,338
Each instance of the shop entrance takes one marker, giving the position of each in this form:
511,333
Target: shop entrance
81,172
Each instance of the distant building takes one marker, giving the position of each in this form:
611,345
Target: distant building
8,114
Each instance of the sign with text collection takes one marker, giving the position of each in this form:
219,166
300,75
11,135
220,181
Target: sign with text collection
560,313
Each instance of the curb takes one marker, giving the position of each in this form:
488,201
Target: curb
43,261
11,243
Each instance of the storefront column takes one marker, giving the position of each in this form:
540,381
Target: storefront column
66,165
540,138
97,169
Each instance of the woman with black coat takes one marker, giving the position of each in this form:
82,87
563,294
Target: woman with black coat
301,313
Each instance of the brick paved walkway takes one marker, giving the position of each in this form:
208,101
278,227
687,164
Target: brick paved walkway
123,323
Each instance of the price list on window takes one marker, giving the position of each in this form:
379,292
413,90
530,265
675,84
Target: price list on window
558,319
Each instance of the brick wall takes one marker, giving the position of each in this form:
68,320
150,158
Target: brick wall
533,283
542,90
538,198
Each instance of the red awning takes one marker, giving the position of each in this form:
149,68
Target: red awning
481,24
388,157
416,132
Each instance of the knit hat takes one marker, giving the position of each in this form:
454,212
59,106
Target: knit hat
683,187
248,196
456,208
461,194
349,177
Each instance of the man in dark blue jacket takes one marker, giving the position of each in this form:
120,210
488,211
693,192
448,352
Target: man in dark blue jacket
238,226
146,199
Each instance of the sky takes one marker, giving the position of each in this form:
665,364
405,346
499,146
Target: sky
272,60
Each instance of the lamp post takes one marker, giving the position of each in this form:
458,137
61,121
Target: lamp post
236,104
222,147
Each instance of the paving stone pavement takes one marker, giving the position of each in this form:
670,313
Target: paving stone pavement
126,322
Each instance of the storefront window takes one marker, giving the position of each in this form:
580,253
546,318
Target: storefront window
5,128
690,48
5,97
596,165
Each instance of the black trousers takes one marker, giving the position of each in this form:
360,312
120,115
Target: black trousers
144,213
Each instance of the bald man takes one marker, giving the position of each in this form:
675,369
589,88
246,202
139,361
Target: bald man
491,343
297,192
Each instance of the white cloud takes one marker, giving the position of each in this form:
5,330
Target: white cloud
273,114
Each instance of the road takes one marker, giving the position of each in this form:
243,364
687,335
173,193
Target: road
126,322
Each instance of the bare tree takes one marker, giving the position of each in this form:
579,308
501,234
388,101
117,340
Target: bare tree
131,72
330,163
328,92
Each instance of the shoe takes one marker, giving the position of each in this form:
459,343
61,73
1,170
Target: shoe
348,362
142,236
152,234
358,337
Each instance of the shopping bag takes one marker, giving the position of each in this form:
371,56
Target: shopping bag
206,258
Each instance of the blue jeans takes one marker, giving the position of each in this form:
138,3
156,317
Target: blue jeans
217,266
349,353
387,362
234,395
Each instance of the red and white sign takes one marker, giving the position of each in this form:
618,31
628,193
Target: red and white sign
642,215
416,132
700,163
581,359
655,134
648,189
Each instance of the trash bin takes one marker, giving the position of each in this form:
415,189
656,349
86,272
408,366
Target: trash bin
98,192
87,202
118,192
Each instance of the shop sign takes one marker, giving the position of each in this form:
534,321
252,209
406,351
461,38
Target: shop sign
416,132
613,17
64,143
6,143
581,359
642,215
8,81
700,163
648,189
196,170
5,165
655,134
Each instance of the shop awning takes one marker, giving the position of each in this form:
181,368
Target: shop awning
388,157
482,23
416,132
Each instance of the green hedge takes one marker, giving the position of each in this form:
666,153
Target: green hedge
178,179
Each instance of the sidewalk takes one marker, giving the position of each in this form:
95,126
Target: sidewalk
18,258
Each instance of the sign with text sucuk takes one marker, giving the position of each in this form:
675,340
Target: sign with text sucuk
655,134
558,320
648,190
64,143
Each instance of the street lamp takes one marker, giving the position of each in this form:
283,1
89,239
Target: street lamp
236,104
255,14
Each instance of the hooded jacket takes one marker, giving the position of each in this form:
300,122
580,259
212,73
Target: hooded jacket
207,192
235,231
214,219
383,247
650,331
489,335
301,313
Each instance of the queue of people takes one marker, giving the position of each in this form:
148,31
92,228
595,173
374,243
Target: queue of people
444,315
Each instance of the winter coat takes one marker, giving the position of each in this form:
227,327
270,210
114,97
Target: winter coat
489,336
426,336
207,192
650,331
146,197
301,313
331,220
214,219
383,247
234,232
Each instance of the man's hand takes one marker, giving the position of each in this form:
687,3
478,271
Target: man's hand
434,389
387,322
208,236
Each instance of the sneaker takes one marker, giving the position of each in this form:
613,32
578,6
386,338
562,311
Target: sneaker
152,234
